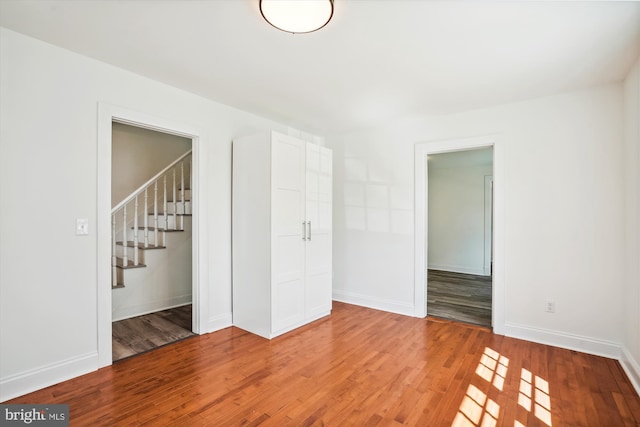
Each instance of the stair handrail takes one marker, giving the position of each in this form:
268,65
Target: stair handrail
147,184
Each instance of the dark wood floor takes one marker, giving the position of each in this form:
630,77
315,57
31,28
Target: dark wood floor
460,297
143,333
357,367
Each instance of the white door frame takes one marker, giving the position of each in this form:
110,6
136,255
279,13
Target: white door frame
488,224
107,114
422,150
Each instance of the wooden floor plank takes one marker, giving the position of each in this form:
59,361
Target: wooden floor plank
356,367
139,334
460,297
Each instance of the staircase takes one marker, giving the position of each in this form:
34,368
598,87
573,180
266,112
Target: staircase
140,223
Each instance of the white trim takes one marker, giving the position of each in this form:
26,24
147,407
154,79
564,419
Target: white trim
563,340
219,322
44,376
422,150
488,220
631,368
107,114
375,303
458,269
151,307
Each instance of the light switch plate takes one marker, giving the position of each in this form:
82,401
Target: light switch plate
82,227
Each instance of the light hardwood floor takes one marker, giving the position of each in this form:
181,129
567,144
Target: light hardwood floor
460,297
357,367
143,333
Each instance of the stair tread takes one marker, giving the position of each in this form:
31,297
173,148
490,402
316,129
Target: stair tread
168,230
130,244
169,214
120,264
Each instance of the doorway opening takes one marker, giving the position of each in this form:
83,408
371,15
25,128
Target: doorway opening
108,115
421,248
459,230
151,239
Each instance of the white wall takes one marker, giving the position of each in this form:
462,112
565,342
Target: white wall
632,224
563,213
48,142
138,154
457,217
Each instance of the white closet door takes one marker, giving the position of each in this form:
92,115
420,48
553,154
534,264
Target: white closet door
287,244
318,213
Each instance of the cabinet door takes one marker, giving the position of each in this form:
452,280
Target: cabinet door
318,246
287,244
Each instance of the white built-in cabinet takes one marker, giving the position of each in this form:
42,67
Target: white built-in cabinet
281,233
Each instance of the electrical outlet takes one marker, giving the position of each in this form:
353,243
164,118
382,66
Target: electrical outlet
550,306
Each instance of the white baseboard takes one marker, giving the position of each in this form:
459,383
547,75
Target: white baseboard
568,341
45,376
297,325
218,322
631,368
150,307
376,303
458,269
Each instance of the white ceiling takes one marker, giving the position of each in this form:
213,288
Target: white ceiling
376,60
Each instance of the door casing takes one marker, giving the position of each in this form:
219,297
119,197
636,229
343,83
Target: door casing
107,114
421,151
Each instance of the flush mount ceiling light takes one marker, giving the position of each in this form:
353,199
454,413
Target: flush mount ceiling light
297,16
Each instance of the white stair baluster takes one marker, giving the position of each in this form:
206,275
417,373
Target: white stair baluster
114,261
146,218
155,213
166,218
175,204
135,231
125,258
184,210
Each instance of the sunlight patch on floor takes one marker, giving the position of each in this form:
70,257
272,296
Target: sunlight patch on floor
478,410
539,395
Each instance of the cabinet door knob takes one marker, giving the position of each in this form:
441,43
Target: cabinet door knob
304,230
309,236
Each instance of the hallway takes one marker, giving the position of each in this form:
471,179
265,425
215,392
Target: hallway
460,297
